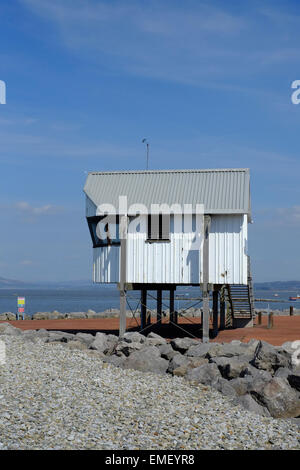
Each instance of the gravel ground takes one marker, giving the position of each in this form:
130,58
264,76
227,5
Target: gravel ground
55,398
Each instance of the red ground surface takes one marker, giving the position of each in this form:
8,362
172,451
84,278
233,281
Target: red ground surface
285,328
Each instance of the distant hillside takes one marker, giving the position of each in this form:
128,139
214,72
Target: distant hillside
10,283
83,284
13,283
278,285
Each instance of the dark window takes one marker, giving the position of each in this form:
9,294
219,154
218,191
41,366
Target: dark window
158,227
109,229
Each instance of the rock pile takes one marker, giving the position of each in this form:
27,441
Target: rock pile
262,378
115,312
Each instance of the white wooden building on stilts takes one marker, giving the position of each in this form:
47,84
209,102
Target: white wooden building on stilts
156,230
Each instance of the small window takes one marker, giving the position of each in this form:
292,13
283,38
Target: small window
109,229
158,227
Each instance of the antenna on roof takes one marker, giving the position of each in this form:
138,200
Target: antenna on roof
144,141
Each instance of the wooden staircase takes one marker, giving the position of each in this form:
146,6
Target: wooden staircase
240,301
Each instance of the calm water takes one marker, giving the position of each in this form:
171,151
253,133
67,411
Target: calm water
97,298
100,298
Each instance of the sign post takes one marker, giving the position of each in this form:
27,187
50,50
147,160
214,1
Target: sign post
21,307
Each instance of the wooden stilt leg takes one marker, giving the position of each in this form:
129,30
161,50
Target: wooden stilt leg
159,306
122,286
143,307
205,323
222,315
171,305
215,312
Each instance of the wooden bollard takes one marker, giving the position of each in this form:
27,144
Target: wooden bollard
259,317
270,320
291,310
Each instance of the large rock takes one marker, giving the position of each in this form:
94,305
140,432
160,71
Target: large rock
75,315
8,329
30,335
256,373
282,372
224,386
205,374
60,336
199,350
180,371
241,385
250,347
251,405
55,315
100,343
287,347
227,350
125,349
134,337
183,344
267,357
41,316
178,361
77,345
85,338
258,379
281,400
146,360
166,351
42,333
155,340
117,361
192,362
197,361
8,316
92,314
34,335
230,367
112,341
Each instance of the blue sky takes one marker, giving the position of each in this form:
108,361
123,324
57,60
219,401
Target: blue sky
208,83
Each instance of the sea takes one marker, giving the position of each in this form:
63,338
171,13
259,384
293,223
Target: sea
104,297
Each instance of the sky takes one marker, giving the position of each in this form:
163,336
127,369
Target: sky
207,83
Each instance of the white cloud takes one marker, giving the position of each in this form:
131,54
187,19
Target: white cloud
26,208
278,218
186,43
194,42
26,262
289,216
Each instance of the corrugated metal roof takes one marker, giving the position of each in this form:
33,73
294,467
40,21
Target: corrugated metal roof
222,191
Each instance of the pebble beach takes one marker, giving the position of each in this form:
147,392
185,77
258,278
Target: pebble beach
56,398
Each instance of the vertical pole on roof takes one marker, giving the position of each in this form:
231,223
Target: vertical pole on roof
205,288
123,267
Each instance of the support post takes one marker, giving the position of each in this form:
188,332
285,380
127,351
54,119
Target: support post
143,307
123,267
172,305
270,320
215,311
259,318
159,306
205,274
222,315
